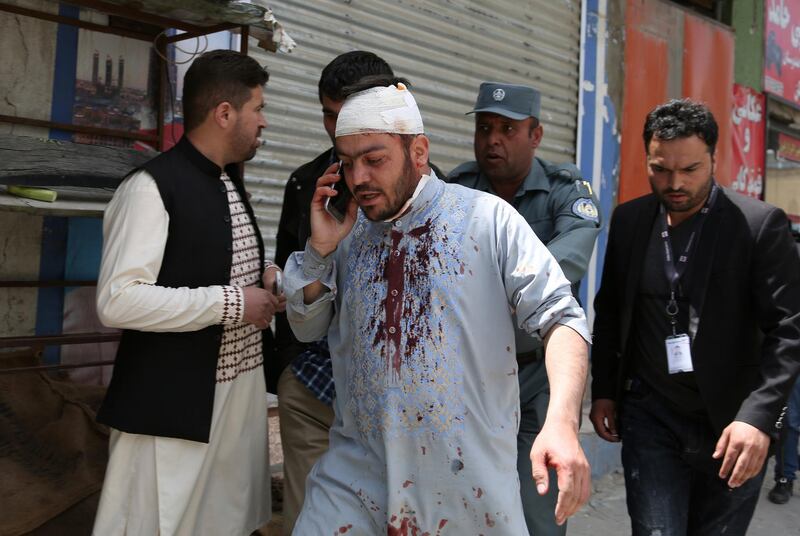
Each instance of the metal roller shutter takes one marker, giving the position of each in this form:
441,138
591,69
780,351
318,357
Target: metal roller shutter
446,48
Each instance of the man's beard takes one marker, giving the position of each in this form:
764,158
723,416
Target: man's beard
243,146
691,201
403,190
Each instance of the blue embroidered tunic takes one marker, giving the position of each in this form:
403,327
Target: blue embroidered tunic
419,317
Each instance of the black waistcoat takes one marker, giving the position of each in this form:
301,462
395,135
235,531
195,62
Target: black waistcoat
163,383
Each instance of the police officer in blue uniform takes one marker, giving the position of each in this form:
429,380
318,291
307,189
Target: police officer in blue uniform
561,208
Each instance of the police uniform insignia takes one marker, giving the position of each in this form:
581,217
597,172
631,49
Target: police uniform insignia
584,208
584,184
499,94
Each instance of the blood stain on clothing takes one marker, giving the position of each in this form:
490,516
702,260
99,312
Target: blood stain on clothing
364,499
489,520
401,530
408,483
406,524
394,275
345,528
402,286
456,466
478,492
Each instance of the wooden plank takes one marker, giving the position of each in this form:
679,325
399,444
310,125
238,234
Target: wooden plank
244,42
206,31
46,284
52,368
194,16
137,14
69,127
10,203
66,338
39,162
17,10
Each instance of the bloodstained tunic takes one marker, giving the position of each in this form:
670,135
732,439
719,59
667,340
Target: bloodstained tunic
419,322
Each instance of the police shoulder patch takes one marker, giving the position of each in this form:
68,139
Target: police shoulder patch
585,208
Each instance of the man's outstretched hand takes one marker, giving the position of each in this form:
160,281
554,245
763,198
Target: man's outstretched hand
558,447
743,449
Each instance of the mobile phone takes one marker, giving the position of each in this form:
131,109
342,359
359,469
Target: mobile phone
337,206
278,286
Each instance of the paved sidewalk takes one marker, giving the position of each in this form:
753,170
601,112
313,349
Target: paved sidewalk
606,515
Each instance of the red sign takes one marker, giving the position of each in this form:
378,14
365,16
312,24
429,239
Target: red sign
788,148
748,133
782,51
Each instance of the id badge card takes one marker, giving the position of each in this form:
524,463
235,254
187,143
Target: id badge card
679,353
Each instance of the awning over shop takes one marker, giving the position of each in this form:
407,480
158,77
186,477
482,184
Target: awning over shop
198,16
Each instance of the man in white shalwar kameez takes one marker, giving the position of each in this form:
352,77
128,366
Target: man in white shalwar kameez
182,274
417,290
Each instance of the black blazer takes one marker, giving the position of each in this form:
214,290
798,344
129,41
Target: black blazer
745,299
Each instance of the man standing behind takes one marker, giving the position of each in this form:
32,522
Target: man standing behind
181,274
787,459
697,335
305,387
786,455
415,292
560,208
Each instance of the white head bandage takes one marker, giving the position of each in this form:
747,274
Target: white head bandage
388,109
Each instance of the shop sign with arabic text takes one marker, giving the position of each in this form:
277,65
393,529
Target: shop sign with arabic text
748,134
782,49
788,148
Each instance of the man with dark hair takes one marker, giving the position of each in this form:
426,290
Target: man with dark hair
183,275
560,207
305,387
414,289
220,76
696,335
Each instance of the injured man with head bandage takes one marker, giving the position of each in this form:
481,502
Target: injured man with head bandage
418,290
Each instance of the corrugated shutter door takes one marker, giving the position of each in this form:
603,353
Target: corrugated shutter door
446,49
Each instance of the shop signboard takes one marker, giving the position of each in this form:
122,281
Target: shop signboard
788,147
783,185
748,133
782,49
674,53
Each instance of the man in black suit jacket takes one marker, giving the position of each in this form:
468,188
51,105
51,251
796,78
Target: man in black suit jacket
696,336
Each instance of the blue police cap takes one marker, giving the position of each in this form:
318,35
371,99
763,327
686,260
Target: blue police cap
509,100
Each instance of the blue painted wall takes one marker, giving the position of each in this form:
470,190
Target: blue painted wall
71,247
598,136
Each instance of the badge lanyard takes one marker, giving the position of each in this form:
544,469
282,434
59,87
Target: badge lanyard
675,270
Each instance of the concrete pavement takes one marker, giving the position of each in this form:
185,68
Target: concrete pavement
606,514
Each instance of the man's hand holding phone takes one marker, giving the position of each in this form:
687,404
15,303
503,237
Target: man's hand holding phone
337,205
326,228
273,282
